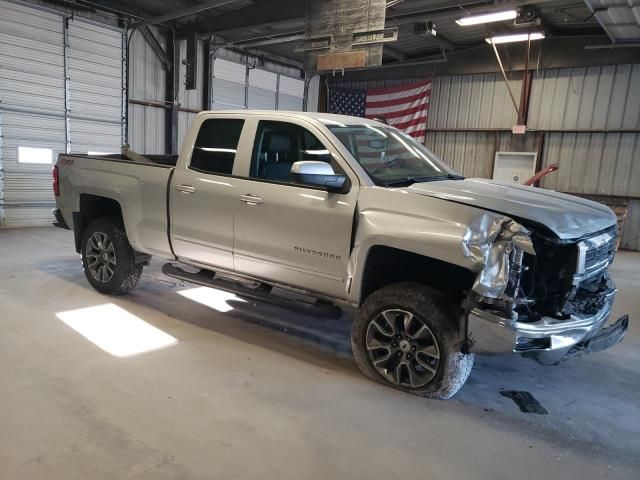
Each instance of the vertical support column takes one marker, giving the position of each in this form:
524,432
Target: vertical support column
124,77
211,76
277,91
206,76
67,80
305,97
246,83
172,78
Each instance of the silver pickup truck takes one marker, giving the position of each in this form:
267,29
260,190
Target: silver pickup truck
317,212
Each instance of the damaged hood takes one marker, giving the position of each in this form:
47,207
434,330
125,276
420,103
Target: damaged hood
567,216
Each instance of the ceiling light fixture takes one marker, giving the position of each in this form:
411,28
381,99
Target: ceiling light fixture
518,37
487,18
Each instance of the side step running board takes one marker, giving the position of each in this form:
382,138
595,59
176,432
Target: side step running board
208,278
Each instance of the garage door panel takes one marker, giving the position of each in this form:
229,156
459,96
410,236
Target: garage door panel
91,60
94,38
228,93
28,187
13,98
291,86
33,112
38,26
97,99
96,136
32,64
263,79
261,99
289,102
95,73
95,87
45,129
10,42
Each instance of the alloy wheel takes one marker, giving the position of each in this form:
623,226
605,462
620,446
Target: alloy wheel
101,257
402,348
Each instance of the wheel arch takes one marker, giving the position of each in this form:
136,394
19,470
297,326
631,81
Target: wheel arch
385,265
91,207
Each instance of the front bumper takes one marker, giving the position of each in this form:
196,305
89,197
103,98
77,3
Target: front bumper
548,340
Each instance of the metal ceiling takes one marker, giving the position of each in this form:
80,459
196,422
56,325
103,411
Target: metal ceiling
245,23
619,18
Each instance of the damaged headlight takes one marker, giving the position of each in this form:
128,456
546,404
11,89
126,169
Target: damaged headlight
496,244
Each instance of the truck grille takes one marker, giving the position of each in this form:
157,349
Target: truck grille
598,254
597,251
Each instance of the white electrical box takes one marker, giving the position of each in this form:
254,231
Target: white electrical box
516,167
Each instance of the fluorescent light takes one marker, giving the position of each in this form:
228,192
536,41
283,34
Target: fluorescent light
518,37
487,18
35,155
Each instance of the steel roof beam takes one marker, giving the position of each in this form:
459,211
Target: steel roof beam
184,12
156,47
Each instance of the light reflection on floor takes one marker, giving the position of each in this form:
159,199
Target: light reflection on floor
115,330
212,298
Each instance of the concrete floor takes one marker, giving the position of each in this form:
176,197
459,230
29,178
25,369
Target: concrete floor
256,392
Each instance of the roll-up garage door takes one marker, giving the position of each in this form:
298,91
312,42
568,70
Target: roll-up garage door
228,85
32,111
95,66
262,89
44,112
236,85
290,94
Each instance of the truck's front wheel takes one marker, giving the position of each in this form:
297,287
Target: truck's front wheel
405,336
107,257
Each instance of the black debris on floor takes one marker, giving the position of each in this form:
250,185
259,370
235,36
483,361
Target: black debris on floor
525,401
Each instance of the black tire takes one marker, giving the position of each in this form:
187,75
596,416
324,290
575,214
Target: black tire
124,274
439,360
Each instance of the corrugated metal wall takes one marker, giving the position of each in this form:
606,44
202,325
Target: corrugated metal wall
189,99
94,57
147,82
473,101
587,120
588,98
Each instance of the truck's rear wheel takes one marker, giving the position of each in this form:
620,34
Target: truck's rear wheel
107,257
405,336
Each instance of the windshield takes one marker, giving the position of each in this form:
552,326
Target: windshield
390,157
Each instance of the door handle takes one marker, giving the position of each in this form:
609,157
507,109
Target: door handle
186,188
251,199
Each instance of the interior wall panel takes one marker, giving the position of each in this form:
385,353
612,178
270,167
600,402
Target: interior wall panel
595,163
588,98
147,82
95,95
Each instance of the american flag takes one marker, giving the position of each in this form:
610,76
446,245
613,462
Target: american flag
404,107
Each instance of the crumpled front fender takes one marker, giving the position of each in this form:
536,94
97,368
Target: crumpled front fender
490,241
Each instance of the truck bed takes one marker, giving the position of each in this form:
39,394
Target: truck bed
151,160
139,188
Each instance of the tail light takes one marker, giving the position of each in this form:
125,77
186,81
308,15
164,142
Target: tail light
56,181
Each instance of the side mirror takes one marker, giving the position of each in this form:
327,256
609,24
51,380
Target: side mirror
319,174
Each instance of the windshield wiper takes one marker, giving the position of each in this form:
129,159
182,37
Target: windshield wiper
428,178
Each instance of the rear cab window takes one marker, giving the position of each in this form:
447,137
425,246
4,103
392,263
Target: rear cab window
215,148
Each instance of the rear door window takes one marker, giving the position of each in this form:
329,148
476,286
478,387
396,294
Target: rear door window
216,145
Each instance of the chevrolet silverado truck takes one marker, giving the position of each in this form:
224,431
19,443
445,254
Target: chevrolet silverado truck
317,211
